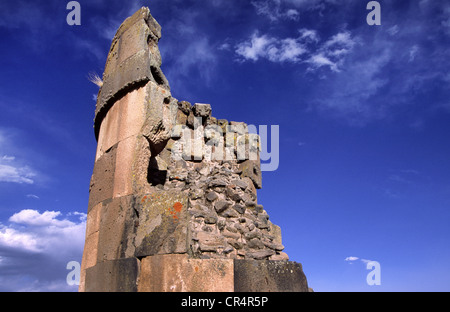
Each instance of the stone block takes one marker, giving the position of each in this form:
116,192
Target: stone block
269,276
113,276
163,223
201,110
221,205
252,170
210,241
89,258
134,71
123,120
133,40
90,251
185,107
93,219
175,273
123,175
133,59
275,230
102,181
117,229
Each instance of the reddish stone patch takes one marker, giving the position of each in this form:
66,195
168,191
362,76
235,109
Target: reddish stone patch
178,206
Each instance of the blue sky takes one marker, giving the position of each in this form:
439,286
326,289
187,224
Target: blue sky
363,111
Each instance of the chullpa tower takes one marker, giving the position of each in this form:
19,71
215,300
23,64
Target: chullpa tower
173,202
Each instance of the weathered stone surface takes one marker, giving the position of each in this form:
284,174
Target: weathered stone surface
123,120
117,229
113,276
239,208
123,174
252,170
89,257
163,222
265,276
201,110
102,181
222,123
240,183
185,107
221,205
210,241
170,273
211,196
229,213
133,59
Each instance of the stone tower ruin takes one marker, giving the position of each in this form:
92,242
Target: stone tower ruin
173,202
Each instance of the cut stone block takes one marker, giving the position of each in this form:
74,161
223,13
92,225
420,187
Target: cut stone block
267,275
113,276
163,223
175,273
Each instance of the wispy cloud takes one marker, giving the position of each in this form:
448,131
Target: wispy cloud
271,48
13,169
35,248
12,172
189,54
353,259
16,174
306,48
274,10
319,60
365,74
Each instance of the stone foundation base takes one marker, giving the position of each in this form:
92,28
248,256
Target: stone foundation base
179,273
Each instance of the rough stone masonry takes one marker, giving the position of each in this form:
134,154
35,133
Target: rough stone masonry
173,202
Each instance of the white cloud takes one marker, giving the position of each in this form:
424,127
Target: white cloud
292,14
332,52
352,94
271,48
33,217
274,10
8,158
352,259
36,247
198,55
224,47
256,48
309,34
10,237
393,30
413,52
320,60
32,196
290,50
16,174
306,48
189,55
342,40
13,168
